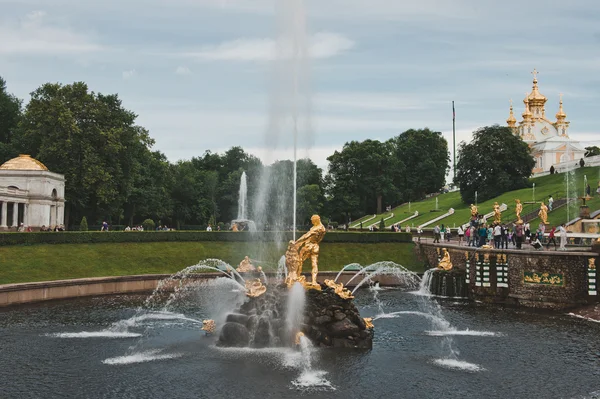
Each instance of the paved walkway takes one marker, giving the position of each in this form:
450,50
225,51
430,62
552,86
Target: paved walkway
524,247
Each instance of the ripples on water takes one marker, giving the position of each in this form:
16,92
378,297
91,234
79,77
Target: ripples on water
101,347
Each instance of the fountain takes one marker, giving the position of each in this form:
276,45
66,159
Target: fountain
242,222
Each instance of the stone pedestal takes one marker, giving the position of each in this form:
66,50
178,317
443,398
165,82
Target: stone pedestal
584,212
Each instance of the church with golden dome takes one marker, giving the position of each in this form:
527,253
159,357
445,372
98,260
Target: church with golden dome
549,141
31,195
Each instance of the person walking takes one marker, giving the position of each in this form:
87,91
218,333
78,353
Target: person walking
461,234
563,237
504,238
497,236
550,203
436,234
551,238
519,235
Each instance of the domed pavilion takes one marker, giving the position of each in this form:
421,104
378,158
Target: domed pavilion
549,141
30,194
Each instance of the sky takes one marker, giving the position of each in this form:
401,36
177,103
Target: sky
211,74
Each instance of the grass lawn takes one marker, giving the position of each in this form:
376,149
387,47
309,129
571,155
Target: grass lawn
66,261
554,185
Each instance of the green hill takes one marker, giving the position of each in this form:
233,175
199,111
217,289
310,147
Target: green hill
545,186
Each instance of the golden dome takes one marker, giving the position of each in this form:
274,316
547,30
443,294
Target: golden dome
527,113
511,117
535,95
23,162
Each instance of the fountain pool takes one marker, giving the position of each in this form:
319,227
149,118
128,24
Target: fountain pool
104,347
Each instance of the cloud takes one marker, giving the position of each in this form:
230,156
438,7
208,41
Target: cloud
183,70
129,74
34,35
321,45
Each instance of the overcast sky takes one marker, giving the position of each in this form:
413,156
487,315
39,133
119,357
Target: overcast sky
199,73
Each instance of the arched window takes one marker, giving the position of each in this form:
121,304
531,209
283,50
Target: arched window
13,187
54,194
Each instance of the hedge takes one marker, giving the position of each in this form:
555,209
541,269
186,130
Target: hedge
89,237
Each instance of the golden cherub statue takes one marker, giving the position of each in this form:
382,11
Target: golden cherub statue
234,227
445,263
368,322
245,265
543,213
497,214
473,210
518,210
339,289
297,338
209,326
255,288
305,247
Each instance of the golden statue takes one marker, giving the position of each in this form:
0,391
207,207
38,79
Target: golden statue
543,213
255,288
339,289
299,251
473,210
245,266
209,326
592,264
369,323
518,210
234,227
497,214
299,335
445,263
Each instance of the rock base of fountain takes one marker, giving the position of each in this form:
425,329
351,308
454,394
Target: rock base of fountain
329,321
451,283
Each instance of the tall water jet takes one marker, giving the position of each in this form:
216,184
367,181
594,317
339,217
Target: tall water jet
243,198
289,116
295,310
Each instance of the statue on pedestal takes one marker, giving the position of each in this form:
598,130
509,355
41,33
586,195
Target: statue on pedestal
497,214
518,210
543,213
299,251
473,211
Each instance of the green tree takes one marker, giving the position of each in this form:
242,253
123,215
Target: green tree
310,202
148,225
91,139
381,225
10,114
592,151
83,226
494,162
420,163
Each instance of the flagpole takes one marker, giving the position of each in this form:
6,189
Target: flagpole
454,137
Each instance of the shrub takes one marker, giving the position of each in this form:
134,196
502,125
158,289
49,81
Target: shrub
83,226
148,225
381,225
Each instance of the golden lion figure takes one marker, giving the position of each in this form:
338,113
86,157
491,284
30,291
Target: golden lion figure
339,289
209,326
305,247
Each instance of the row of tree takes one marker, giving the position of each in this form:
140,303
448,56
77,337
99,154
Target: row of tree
114,174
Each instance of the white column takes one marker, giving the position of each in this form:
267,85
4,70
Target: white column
26,215
4,214
15,221
61,214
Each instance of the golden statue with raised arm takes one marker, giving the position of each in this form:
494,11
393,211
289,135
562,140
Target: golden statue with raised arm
305,247
497,214
543,213
473,210
518,210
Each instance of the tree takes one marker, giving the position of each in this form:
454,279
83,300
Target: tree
420,162
310,202
494,162
10,114
91,139
148,225
381,225
592,151
83,226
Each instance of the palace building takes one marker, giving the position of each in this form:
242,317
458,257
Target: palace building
31,195
549,141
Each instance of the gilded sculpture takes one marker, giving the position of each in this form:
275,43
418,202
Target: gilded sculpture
209,326
302,249
339,289
369,322
255,288
497,214
518,210
592,263
473,210
543,213
445,263
245,266
298,337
